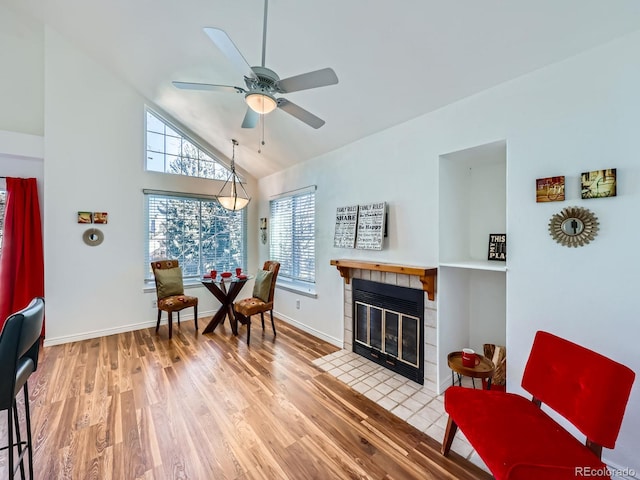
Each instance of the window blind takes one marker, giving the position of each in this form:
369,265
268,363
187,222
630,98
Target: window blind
198,232
292,238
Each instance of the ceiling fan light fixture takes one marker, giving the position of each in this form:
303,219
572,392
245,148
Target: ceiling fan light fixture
260,102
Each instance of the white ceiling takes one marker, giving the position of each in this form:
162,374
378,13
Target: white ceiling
394,60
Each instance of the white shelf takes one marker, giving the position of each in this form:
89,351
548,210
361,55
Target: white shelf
477,265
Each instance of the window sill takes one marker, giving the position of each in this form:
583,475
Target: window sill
294,287
148,288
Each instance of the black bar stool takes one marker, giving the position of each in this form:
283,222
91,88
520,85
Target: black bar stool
19,349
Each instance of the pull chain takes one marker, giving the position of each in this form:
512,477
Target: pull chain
262,134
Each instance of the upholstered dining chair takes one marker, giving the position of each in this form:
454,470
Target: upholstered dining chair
19,349
170,292
261,300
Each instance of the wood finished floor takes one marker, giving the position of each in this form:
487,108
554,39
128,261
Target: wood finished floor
136,405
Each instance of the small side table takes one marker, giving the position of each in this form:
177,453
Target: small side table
484,369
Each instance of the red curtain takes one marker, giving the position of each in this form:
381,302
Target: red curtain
22,259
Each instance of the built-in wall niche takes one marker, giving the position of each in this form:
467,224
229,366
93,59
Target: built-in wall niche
471,311
472,204
471,289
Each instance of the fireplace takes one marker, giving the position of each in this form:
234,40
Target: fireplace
388,326
412,277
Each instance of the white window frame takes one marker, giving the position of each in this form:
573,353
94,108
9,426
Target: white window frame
202,265
288,280
205,158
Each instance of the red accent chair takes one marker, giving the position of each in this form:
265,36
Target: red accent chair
517,440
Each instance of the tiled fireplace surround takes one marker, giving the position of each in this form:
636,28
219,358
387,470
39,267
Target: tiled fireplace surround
418,405
430,325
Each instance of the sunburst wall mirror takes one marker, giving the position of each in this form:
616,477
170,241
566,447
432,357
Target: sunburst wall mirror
573,227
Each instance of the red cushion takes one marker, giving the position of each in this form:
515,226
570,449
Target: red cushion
515,438
588,389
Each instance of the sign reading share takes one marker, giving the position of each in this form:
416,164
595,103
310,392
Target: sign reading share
361,226
346,222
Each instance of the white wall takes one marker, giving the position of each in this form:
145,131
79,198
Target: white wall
94,147
578,115
94,150
22,74
21,98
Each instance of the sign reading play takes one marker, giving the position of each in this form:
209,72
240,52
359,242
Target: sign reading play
498,247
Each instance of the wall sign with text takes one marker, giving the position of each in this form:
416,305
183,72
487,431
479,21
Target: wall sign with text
361,226
498,247
346,223
371,226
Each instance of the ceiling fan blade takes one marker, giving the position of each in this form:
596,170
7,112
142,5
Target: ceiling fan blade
250,118
318,78
300,113
208,87
226,46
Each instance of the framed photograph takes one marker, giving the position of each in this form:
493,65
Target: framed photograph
85,217
599,183
550,189
100,217
498,247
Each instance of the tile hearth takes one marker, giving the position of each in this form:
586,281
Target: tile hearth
418,405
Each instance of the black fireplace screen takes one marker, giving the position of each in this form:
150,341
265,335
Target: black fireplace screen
393,334
388,326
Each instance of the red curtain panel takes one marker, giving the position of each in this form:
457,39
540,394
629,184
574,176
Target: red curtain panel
22,259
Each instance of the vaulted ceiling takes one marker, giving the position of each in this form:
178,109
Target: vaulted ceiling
394,60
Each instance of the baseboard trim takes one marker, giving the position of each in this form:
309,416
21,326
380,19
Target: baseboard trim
444,384
312,331
49,342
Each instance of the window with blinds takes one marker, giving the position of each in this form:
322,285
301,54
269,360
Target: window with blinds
3,199
292,238
170,151
197,231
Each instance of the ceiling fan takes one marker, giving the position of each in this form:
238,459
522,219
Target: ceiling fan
263,84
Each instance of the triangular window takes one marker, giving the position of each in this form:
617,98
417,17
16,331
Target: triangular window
170,151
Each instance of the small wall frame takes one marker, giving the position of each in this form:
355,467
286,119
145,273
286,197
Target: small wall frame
100,217
599,183
85,217
550,189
